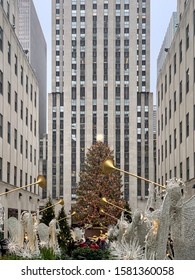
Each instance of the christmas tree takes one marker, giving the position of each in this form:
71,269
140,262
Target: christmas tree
48,214
94,185
64,234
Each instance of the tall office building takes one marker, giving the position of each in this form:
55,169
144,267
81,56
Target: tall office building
32,39
176,103
170,33
19,119
100,91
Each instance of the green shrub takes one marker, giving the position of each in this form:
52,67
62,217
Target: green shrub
48,254
86,253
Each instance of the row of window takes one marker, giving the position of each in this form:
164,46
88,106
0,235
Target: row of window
22,177
179,173
9,56
22,114
118,19
168,79
7,10
187,128
168,113
187,84
82,7
15,139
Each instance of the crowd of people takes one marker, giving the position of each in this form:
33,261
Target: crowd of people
93,243
89,242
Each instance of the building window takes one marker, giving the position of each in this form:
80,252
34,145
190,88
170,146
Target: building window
8,133
15,139
187,37
35,128
194,117
26,179
1,169
21,144
180,92
1,39
194,22
35,156
27,116
31,91
175,139
26,149
161,91
21,110
8,172
175,64
162,122
1,125
26,84
16,102
194,166
175,101
169,74
180,51
162,154
175,171
9,53
165,148
187,168
35,99
13,21
187,81
180,132
21,75
31,122
169,109
170,144
165,83
8,10
21,178
9,92
194,70
30,153
187,125
15,175
181,170
1,82
166,116
16,65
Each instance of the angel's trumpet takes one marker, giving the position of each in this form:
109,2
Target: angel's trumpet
40,181
108,167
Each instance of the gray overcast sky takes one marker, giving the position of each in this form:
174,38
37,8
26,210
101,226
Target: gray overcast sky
161,11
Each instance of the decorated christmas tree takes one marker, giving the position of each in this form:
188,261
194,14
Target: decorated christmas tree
64,234
94,185
48,214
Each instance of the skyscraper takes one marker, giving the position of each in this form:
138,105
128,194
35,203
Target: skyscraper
100,91
19,119
176,103
32,39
